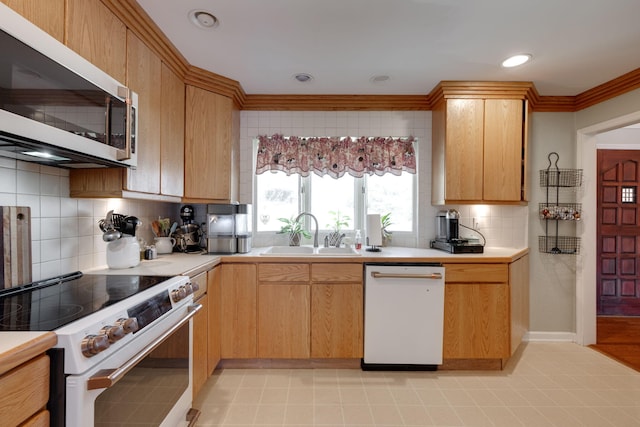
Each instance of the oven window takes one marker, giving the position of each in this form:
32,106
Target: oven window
149,391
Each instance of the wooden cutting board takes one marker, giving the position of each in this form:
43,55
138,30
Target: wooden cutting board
15,245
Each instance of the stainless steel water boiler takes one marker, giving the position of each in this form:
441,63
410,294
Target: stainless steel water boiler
229,228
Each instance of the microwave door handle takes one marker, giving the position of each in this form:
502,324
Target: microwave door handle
125,154
106,378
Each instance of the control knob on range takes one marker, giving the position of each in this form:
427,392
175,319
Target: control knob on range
129,324
113,332
94,344
179,294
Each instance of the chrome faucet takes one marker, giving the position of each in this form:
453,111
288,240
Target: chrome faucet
315,235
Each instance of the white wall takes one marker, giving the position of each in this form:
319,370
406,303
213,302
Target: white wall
64,232
552,277
502,225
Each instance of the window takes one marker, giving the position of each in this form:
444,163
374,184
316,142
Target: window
280,196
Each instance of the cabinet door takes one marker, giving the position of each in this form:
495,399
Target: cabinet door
214,280
476,321
208,146
239,293
283,320
503,146
200,341
336,320
464,149
144,71
172,134
26,391
99,36
46,14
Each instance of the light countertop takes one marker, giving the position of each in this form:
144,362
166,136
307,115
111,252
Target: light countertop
166,265
391,254
18,347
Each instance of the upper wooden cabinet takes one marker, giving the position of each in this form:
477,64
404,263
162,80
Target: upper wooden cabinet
211,147
160,135
172,134
144,70
479,144
97,34
46,14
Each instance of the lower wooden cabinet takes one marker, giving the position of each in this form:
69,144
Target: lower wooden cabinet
26,392
214,300
336,320
239,327
283,321
337,311
486,310
200,335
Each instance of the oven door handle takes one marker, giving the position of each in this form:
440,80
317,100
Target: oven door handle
106,378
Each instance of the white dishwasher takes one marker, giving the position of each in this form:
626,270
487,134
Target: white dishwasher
403,316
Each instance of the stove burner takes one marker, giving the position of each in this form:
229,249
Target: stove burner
53,303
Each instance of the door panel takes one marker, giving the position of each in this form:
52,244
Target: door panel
618,233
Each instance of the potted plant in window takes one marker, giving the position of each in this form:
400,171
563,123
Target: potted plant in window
337,222
294,229
385,222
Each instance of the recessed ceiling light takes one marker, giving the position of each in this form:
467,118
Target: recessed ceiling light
379,79
516,60
203,19
303,77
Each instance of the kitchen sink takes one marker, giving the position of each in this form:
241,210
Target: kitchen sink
289,250
308,251
337,251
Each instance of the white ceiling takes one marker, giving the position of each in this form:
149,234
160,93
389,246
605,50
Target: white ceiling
576,44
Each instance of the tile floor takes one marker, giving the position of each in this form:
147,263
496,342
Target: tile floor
545,384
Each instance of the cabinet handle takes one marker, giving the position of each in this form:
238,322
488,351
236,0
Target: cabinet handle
378,275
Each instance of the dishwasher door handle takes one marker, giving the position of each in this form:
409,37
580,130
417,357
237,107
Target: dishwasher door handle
378,275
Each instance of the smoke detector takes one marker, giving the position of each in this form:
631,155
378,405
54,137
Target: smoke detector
203,19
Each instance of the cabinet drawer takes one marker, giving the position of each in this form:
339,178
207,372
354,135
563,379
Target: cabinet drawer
338,272
476,273
29,386
283,272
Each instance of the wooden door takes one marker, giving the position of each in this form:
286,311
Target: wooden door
463,149
144,71
214,281
94,32
618,231
172,133
336,320
46,14
238,312
503,137
283,320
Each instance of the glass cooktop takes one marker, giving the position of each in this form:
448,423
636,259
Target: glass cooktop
49,304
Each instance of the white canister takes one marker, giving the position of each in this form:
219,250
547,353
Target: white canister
164,245
123,253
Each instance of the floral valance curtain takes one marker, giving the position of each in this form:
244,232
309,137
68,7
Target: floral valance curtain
335,156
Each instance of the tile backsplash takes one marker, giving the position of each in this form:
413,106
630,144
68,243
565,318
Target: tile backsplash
64,231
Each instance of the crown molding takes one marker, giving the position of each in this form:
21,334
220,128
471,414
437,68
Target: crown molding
137,20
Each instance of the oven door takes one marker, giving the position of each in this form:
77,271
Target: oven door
148,382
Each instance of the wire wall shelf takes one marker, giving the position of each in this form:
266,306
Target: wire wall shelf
560,211
554,211
557,245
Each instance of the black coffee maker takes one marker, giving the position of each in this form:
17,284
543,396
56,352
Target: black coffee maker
448,234
189,235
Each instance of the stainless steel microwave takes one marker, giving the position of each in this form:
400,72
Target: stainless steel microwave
56,107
